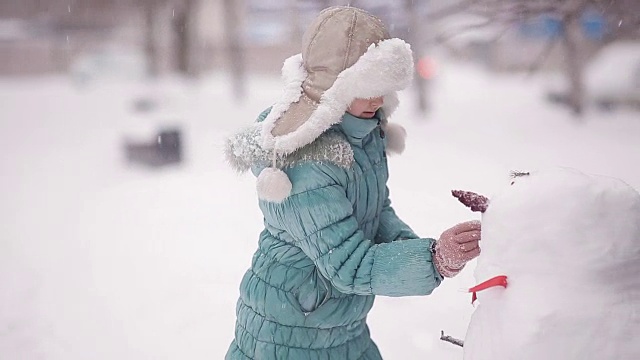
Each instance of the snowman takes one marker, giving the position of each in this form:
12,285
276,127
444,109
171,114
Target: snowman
559,273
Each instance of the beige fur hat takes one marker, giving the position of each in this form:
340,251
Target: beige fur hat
347,53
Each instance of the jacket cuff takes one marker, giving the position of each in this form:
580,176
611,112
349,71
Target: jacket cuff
404,268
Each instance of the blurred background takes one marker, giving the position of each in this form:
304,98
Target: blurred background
123,232
92,39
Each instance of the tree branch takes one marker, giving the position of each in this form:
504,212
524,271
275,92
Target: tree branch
450,339
445,36
450,10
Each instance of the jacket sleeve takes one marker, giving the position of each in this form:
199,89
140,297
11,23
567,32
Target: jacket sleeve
391,228
318,218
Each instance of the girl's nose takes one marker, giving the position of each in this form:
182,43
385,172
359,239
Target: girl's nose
377,101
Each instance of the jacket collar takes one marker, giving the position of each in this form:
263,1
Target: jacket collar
356,129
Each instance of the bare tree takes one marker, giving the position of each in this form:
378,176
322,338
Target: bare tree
150,8
574,61
414,36
294,21
184,36
234,47
621,17
184,32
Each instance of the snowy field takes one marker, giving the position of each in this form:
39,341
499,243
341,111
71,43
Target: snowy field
103,260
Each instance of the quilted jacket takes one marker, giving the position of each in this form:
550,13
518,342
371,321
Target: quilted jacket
326,250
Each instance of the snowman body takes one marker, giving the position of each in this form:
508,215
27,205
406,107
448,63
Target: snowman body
569,244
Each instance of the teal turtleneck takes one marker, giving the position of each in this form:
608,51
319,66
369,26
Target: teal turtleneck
356,128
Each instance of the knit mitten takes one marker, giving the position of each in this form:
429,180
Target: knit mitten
455,247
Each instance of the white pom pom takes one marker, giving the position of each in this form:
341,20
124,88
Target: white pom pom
273,185
396,136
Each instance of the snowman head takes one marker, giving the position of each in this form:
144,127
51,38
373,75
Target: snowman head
558,221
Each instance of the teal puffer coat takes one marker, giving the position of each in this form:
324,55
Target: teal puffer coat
326,250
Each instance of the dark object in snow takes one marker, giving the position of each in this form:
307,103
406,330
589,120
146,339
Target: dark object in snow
450,339
144,105
475,201
164,149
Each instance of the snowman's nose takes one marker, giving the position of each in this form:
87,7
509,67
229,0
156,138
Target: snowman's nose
472,200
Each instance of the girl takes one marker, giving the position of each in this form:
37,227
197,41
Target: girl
332,241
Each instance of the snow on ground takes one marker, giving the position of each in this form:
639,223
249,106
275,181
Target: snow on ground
103,260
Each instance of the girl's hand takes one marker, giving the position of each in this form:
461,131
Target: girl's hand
456,247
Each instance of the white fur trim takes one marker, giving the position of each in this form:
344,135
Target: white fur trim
382,70
396,136
273,185
293,75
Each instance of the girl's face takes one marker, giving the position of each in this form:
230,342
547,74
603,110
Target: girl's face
365,108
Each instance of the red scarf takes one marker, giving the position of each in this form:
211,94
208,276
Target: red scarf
500,280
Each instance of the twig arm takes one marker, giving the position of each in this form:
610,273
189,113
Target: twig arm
450,339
